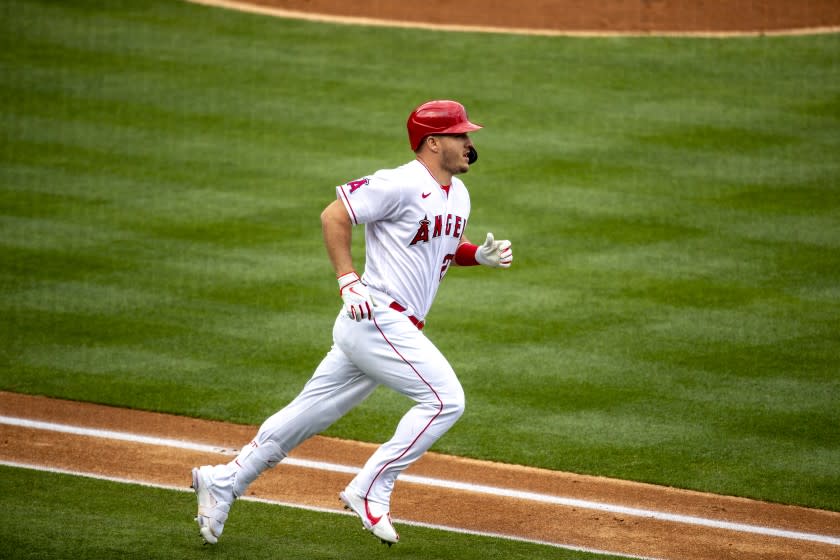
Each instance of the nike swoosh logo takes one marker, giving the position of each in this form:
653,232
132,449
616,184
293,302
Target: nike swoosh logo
371,518
425,194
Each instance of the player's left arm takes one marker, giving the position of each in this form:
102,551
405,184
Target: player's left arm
492,253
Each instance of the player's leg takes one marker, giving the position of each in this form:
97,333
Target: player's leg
335,388
396,354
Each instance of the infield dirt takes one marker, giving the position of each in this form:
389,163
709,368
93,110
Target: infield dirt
464,509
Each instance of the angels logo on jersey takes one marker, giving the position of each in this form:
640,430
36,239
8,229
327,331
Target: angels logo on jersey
453,226
357,183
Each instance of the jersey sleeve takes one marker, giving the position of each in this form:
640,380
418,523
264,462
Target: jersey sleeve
370,199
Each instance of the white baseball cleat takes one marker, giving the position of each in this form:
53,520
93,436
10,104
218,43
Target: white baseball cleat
380,525
213,505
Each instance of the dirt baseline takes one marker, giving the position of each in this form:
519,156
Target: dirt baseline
513,512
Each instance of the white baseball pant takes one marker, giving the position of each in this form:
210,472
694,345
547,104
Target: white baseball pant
389,351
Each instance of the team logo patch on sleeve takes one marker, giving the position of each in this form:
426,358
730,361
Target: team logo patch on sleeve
357,184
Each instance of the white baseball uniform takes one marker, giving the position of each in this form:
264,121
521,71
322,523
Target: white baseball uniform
413,227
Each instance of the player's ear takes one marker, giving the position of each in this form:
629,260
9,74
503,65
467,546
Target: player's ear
433,143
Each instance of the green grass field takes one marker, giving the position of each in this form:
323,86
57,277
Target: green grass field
106,520
672,316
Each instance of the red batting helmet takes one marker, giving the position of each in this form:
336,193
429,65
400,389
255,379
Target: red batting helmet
437,117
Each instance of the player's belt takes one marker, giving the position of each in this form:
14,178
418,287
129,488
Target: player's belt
417,322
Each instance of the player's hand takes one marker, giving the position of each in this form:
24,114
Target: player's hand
495,254
357,301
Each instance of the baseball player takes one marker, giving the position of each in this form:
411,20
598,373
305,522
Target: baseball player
415,217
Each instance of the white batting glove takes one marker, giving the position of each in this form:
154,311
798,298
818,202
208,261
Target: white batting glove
495,254
357,301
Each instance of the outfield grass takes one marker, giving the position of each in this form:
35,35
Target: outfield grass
673,315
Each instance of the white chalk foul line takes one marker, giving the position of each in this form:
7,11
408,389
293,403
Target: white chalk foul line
440,483
316,509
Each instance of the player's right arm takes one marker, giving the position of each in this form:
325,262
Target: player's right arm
337,229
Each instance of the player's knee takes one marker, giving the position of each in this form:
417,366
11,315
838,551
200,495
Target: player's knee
459,408
454,404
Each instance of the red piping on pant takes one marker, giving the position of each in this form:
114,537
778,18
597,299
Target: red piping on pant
426,427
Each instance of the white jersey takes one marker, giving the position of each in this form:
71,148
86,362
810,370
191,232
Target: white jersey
412,230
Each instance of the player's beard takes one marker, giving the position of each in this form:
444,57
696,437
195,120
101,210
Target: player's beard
454,161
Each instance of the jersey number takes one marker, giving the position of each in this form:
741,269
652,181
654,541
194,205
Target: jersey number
447,260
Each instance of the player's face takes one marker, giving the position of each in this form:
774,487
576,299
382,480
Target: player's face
454,152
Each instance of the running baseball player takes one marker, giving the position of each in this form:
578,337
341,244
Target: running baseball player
415,217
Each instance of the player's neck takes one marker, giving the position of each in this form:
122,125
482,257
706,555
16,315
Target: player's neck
441,175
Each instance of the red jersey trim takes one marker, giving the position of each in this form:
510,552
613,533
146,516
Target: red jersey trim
348,205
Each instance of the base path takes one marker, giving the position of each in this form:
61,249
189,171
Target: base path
563,509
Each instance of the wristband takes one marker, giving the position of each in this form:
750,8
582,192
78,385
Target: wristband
465,254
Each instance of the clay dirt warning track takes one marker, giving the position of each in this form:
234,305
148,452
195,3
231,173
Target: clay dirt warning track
568,510
567,17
